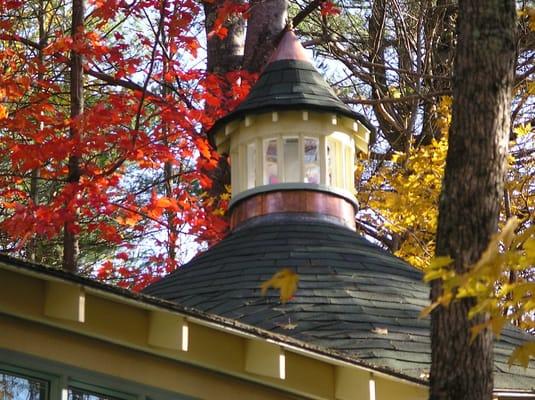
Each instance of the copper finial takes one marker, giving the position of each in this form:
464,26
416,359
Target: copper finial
289,48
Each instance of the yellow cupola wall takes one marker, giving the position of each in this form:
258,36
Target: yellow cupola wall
291,134
293,147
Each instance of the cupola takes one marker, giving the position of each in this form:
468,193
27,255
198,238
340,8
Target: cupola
292,143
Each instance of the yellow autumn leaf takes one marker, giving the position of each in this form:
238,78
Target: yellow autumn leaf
529,247
394,92
508,232
440,262
476,330
428,309
436,268
505,237
285,281
497,323
522,354
524,129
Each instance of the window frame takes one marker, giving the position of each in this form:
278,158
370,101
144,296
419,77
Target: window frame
61,377
95,389
342,162
53,381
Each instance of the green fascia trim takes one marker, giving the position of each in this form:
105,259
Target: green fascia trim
314,187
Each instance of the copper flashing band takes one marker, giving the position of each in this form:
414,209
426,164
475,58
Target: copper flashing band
298,201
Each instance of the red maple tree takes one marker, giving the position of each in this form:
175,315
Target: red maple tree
142,158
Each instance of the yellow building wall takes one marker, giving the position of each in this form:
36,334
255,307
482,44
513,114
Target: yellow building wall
120,337
96,355
343,131
388,390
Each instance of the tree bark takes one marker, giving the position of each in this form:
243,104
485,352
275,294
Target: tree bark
223,55
266,20
70,239
33,247
472,189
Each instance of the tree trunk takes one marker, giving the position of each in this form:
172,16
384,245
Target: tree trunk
223,55
472,189
70,239
266,21
33,247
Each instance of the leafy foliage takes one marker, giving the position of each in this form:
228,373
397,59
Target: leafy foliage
144,158
402,194
489,282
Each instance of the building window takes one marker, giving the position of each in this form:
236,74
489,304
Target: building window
19,387
24,377
330,162
292,169
294,159
79,394
271,173
251,165
80,390
312,161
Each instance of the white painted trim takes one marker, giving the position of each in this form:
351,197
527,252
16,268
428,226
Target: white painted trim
371,387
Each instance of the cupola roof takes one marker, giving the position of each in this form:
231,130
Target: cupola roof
290,82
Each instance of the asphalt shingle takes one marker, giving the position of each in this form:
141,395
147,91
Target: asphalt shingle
291,84
352,296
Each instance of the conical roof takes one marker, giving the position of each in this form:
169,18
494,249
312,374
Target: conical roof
290,81
353,297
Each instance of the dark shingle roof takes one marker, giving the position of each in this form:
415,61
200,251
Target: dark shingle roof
287,85
352,297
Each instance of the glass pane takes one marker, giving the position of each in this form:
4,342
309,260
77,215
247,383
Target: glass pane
270,162
342,179
79,394
251,165
292,169
22,388
349,166
312,162
330,156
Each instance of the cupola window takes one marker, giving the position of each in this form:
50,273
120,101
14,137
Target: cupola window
312,160
251,165
271,171
300,158
292,169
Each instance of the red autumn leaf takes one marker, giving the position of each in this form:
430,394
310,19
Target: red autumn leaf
328,8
